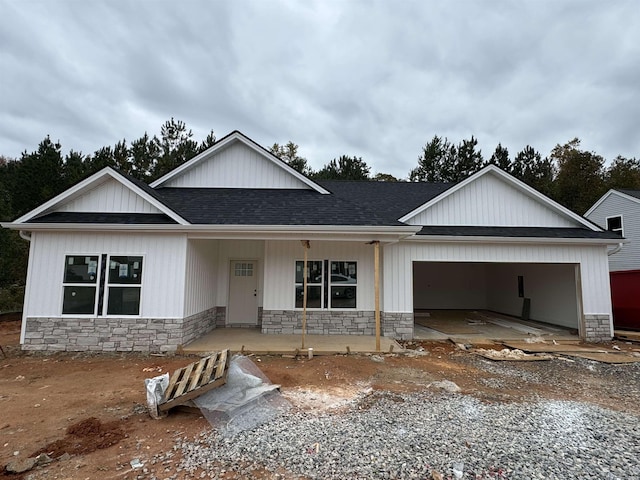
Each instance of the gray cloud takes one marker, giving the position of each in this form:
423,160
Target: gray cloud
374,79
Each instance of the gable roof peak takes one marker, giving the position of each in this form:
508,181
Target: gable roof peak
229,139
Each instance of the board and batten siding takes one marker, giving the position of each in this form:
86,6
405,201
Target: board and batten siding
280,258
237,166
162,294
201,280
398,272
490,201
628,258
110,196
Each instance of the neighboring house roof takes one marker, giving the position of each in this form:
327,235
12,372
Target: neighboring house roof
632,195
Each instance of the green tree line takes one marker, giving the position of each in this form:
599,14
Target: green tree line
574,177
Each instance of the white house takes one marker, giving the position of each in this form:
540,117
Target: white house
118,265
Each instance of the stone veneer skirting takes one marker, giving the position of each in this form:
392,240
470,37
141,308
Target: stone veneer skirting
396,325
153,335
597,328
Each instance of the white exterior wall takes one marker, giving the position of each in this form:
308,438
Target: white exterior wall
490,201
202,281
111,196
398,259
551,288
237,166
163,285
280,258
628,258
229,250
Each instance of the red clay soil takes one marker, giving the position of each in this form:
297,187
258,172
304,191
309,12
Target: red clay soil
93,407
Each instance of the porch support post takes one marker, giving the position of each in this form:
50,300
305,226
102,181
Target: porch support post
376,283
306,245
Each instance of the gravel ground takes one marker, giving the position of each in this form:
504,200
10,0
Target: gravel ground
408,436
538,420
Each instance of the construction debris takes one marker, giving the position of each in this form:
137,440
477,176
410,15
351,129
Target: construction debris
186,383
511,354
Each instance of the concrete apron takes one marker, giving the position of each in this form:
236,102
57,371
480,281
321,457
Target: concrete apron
251,340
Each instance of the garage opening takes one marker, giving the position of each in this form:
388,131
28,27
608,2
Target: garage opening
458,298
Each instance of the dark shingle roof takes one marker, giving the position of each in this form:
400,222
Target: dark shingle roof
115,218
350,203
527,232
631,193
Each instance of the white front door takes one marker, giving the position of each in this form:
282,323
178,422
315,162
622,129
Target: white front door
243,292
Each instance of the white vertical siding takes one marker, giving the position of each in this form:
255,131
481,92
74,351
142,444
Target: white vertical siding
163,270
280,258
237,166
628,258
490,201
110,196
398,259
201,276
238,250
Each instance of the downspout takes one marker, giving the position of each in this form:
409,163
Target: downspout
609,253
24,235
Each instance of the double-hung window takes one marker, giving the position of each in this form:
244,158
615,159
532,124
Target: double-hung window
102,284
330,284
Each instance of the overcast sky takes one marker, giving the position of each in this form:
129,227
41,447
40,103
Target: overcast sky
376,79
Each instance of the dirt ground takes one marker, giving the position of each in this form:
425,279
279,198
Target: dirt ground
88,412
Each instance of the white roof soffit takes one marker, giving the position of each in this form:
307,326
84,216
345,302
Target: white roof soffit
88,183
607,195
237,136
518,184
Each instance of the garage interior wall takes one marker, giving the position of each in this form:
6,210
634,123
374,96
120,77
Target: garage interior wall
494,286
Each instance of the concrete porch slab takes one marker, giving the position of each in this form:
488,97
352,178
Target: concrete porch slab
253,341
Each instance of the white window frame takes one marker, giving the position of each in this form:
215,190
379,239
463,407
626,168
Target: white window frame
108,285
96,285
621,230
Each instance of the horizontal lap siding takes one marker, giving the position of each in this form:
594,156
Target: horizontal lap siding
398,259
280,267
162,275
628,258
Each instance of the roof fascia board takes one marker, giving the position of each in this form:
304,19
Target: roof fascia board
523,240
226,141
342,229
92,180
607,195
516,183
275,232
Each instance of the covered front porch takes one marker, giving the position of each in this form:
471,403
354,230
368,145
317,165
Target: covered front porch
253,341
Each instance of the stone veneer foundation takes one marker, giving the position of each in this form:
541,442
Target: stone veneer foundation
116,334
597,328
396,325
